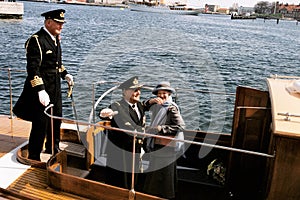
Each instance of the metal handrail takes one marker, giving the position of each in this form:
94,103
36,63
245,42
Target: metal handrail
8,69
145,86
95,104
275,76
16,70
144,135
253,107
288,115
157,136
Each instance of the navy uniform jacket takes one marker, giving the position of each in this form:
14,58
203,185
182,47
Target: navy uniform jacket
126,119
44,72
119,147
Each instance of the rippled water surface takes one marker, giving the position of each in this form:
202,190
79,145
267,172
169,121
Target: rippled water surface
199,55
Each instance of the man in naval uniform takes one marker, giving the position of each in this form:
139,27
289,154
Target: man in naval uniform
131,116
43,84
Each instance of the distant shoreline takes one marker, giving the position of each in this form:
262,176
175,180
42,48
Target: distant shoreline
83,3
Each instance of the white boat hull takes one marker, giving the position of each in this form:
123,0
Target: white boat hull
11,10
163,9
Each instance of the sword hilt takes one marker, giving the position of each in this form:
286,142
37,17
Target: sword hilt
70,90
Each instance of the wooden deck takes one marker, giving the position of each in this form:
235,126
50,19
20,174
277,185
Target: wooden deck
13,132
32,182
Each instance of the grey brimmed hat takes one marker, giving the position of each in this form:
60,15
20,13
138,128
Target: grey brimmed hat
132,83
57,15
163,86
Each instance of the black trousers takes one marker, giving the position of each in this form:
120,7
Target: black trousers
41,129
119,166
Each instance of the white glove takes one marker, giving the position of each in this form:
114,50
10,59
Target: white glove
69,79
44,97
107,113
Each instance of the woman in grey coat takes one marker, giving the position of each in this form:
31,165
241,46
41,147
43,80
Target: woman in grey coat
161,177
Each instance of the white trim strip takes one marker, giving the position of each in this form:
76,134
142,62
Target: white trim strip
10,168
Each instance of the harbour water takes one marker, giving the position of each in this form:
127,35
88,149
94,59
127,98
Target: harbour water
205,57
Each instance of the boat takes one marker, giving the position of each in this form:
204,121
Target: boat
259,159
11,10
175,8
192,176
236,16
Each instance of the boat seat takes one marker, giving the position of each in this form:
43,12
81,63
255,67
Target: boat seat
74,149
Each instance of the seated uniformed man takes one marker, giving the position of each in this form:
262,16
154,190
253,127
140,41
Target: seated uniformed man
131,116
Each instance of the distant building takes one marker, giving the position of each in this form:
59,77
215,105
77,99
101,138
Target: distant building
223,11
211,8
247,11
288,11
235,6
110,1
296,12
74,1
95,1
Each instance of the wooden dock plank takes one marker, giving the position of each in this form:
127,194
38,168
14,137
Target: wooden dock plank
13,132
32,184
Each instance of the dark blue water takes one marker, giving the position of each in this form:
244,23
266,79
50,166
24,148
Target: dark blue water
210,53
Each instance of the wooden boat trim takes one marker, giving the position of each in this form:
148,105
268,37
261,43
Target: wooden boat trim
14,195
68,133
280,183
250,130
22,158
73,184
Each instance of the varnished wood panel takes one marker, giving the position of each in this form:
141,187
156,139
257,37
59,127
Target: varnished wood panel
13,132
33,183
247,174
80,186
285,182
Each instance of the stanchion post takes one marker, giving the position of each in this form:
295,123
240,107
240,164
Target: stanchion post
52,131
10,99
132,192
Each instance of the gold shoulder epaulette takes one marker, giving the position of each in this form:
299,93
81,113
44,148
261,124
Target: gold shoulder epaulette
36,81
62,68
27,43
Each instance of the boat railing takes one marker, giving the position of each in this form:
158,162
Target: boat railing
276,76
116,84
94,88
92,116
9,76
137,134
96,102
144,135
100,140
288,115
